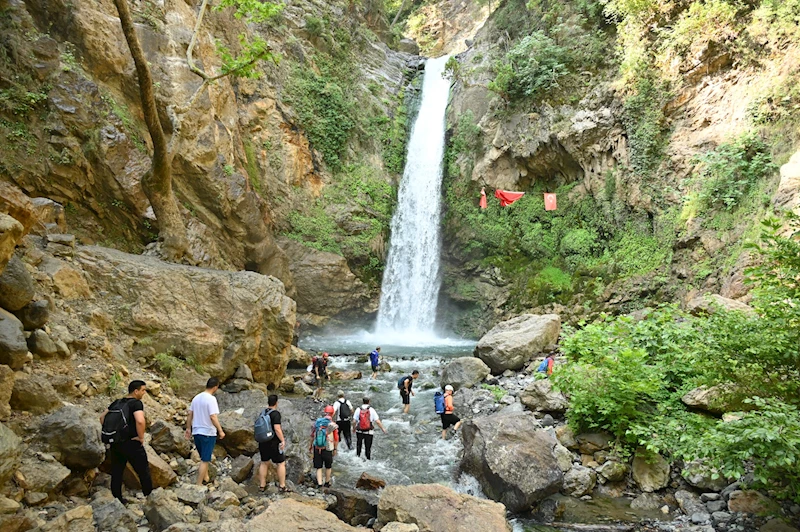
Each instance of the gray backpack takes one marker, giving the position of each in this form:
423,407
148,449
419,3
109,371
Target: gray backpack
263,428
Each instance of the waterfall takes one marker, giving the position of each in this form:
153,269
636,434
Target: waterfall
411,278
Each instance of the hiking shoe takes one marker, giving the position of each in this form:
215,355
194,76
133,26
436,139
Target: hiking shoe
284,489
327,484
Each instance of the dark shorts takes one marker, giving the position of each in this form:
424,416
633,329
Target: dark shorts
322,459
271,452
448,420
406,397
374,368
205,446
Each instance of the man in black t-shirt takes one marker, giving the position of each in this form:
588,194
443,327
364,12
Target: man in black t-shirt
321,373
405,389
274,449
131,448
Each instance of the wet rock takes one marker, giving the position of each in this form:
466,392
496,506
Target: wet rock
301,388
294,515
16,285
540,396
168,438
160,471
241,467
75,433
464,372
613,471
495,445
354,506
39,343
34,315
13,348
512,343
10,453
750,502
34,393
40,473
647,501
368,482
579,481
162,509
436,508
79,519
347,375
650,471
239,436
112,516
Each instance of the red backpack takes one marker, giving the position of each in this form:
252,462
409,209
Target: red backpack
364,422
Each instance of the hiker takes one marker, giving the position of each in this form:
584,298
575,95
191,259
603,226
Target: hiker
374,360
202,425
320,369
343,414
449,418
324,443
274,449
547,364
405,385
123,428
364,421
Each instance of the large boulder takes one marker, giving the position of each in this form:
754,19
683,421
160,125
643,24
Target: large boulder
16,285
292,516
7,378
13,347
650,471
11,232
751,502
703,477
111,515
540,396
78,519
512,343
715,399
579,481
75,433
163,510
10,452
239,437
34,394
160,471
437,508
14,203
709,304
354,507
298,359
34,315
222,319
40,473
494,448
168,438
464,372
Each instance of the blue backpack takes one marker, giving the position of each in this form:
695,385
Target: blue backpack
543,366
400,383
262,429
321,433
438,402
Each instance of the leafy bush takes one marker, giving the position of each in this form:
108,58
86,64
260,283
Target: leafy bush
532,67
498,392
702,23
644,120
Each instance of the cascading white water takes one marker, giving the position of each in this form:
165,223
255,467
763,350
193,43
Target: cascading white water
411,278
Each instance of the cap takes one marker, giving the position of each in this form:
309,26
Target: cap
325,355
329,409
448,387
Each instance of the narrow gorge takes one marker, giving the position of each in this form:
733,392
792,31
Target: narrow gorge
196,189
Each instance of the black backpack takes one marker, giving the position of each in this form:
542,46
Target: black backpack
344,411
118,422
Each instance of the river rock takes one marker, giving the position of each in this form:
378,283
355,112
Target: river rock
464,372
751,502
495,446
13,347
689,502
160,471
647,501
39,343
75,433
579,481
301,388
709,304
241,467
563,457
111,515
347,375
354,507
34,393
40,473
16,285
298,359
777,525
540,396
34,315
566,437
437,508
222,318
162,509
239,435
169,438
10,453
368,482
11,232
294,515
700,476
650,471
512,343
613,471
78,519
591,442
7,378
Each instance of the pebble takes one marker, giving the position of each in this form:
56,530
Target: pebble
699,518
722,517
705,497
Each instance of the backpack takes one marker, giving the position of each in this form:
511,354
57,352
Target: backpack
364,421
117,423
401,382
262,429
543,366
321,433
344,411
438,402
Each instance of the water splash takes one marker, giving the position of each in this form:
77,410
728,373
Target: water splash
411,279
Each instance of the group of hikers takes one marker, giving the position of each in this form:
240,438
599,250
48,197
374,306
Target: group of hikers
123,429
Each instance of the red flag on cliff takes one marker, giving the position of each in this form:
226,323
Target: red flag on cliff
483,202
507,197
550,202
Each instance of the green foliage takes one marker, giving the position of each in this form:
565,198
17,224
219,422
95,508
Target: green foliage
315,26
113,383
732,170
550,284
167,363
395,139
498,392
532,67
254,11
244,64
638,252
644,120
252,165
702,23
19,101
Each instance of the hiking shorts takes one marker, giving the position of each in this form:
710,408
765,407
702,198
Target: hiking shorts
374,368
323,458
406,397
448,420
271,451
205,446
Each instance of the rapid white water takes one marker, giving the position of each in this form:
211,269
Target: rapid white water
411,278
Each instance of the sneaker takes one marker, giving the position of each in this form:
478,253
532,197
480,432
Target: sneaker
327,484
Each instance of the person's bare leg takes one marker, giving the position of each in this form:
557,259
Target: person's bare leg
458,425
328,473
202,473
263,469
444,434
319,477
281,468
407,408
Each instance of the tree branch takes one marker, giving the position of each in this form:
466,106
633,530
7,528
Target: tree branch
200,15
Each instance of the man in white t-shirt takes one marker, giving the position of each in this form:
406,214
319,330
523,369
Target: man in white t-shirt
343,416
364,419
202,425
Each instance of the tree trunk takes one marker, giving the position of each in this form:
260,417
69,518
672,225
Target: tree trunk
157,182
397,16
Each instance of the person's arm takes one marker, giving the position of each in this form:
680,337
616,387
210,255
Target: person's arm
189,425
103,416
215,422
140,425
378,422
279,434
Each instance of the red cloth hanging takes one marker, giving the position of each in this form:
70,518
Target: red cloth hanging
507,197
550,203
483,202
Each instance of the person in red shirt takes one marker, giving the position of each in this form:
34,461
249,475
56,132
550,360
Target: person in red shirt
323,455
449,418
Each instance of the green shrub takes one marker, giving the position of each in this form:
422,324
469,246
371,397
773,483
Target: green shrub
498,392
167,363
532,67
644,120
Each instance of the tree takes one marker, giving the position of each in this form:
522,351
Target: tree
157,181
